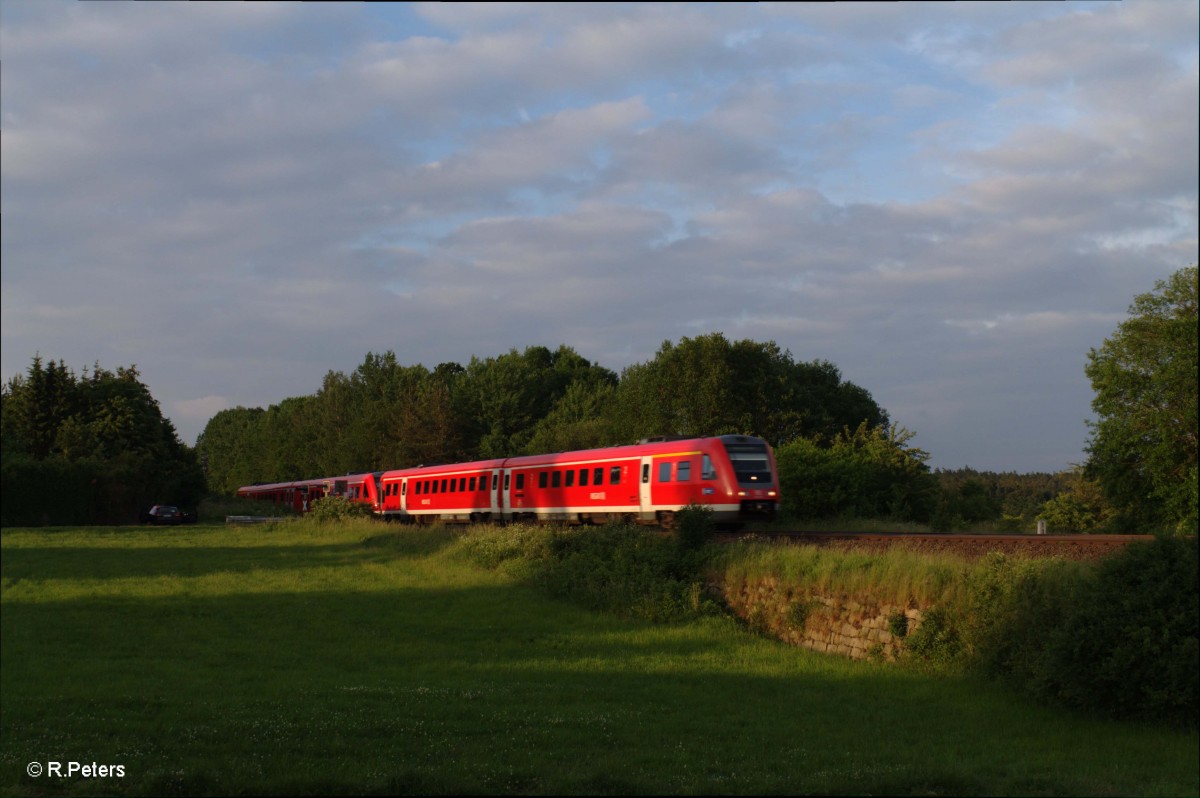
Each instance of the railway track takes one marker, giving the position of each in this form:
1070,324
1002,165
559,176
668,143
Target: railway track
1075,547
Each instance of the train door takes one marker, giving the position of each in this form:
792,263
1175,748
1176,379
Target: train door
644,494
497,507
506,505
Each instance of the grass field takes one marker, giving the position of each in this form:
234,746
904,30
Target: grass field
362,659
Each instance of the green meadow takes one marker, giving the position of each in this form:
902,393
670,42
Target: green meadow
357,658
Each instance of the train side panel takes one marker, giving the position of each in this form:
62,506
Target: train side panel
457,492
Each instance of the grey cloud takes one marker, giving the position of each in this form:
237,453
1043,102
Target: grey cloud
238,215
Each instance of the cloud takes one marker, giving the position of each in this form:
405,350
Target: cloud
951,202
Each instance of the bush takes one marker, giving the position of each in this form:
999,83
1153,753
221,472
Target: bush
1131,647
1119,637
694,527
1012,604
863,473
936,642
331,509
495,547
614,568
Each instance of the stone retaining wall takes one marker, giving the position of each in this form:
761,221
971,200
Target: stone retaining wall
850,626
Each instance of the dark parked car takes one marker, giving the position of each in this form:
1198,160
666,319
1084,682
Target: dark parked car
168,514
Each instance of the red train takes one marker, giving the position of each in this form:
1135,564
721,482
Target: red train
648,482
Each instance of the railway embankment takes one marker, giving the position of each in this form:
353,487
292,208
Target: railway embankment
1118,635
799,595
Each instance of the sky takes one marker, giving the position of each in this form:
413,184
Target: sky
953,203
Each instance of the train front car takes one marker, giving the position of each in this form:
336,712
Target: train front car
751,465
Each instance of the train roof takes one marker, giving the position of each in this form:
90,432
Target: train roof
445,468
660,445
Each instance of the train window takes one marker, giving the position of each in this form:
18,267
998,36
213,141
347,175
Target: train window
520,481
556,479
462,484
543,477
583,477
496,480
706,469
471,484
750,462
684,472
403,488
614,475
432,486
664,472
454,486
570,478
598,476
646,473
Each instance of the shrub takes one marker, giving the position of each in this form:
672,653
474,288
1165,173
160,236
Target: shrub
798,610
694,527
936,642
868,472
1119,637
337,508
1012,604
494,547
1130,649
614,568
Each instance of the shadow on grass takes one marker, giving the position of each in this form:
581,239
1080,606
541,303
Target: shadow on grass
111,562
493,690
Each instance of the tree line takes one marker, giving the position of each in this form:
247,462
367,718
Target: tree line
97,448
88,449
389,415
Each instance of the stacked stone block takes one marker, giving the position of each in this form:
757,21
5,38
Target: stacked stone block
851,626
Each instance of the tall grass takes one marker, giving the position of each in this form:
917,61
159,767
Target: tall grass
895,576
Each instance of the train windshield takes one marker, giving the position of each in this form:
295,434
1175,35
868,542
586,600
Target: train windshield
750,463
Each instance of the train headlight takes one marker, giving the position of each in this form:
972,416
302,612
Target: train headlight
770,493
741,493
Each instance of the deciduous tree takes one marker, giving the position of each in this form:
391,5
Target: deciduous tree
1143,446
